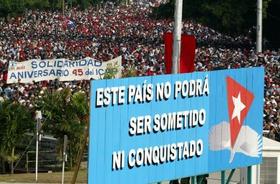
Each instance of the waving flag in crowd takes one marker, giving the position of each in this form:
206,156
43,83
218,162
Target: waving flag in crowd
188,46
69,24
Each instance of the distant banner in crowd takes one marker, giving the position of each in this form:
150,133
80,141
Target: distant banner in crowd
188,46
60,69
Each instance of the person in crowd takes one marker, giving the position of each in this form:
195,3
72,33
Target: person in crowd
131,32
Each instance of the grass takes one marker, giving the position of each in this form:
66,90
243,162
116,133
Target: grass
44,177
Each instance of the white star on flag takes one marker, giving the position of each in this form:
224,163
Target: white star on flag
238,107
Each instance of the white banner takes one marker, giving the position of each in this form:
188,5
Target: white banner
60,69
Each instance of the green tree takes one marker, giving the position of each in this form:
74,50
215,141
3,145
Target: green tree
272,24
10,7
37,4
228,16
15,7
16,120
111,71
232,16
83,4
65,114
80,103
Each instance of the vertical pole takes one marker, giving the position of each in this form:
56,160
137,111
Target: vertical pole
249,175
12,163
177,37
255,174
259,26
258,174
177,42
193,180
27,170
223,177
38,126
64,157
37,149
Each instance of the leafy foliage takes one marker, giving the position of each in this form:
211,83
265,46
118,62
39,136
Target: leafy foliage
11,7
65,114
272,24
228,16
15,120
111,71
36,4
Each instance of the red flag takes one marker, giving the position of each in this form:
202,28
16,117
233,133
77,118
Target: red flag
239,102
188,46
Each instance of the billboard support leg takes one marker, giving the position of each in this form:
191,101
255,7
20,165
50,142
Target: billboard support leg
193,180
223,177
249,175
230,176
200,180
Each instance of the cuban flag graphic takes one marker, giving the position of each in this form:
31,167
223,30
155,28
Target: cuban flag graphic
233,134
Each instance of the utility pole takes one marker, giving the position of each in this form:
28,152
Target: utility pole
259,26
177,37
176,50
38,126
64,157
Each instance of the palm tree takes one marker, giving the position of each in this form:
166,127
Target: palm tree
16,120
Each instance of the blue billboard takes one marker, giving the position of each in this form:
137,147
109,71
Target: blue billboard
149,129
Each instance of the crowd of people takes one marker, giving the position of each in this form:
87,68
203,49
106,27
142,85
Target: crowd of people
131,32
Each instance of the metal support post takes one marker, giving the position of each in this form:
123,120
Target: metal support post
259,26
193,180
27,170
223,177
200,180
37,150
177,37
249,175
38,125
258,178
64,157
230,175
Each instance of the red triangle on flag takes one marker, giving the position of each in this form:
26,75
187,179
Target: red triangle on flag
239,102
